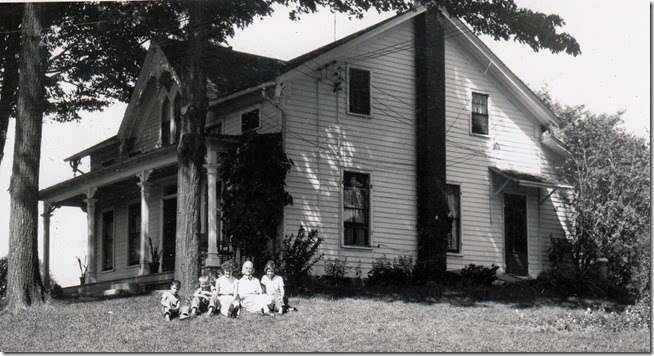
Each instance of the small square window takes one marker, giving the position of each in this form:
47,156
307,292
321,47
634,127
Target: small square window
479,119
359,91
250,120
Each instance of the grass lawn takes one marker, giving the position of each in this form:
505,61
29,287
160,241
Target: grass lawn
324,323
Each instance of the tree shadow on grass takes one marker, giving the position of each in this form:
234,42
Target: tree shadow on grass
518,295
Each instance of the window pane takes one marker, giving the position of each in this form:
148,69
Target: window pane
359,91
454,218
165,123
479,114
108,240
356,209
250,120
480,124
134,234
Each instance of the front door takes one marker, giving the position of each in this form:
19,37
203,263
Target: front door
169,232
515,234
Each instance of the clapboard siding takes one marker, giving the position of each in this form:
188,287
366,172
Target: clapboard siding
513,143
323,140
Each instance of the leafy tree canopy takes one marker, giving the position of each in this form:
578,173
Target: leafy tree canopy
610,203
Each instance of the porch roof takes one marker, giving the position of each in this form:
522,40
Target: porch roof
79,185
528,179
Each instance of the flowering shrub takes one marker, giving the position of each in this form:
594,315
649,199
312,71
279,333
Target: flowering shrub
298,255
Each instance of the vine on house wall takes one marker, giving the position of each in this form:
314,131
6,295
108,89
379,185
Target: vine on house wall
254,195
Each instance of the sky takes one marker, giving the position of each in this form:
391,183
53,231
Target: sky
613,73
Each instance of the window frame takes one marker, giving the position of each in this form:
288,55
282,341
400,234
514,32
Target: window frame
249,110
370,244
473,113
103,236
166,117
129,235
349,91
459,249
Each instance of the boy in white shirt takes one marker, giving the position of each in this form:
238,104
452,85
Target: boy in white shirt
203,298
224,292
170,302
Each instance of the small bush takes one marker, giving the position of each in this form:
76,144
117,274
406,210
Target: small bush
3,277
570,282
55,291
478,275
335,271
298,255
385,272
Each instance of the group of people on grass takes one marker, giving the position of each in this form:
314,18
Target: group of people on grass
229,295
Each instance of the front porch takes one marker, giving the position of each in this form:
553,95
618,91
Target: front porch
129,285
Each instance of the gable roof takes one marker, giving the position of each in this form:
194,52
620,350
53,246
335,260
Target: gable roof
231,74
228,71
458,30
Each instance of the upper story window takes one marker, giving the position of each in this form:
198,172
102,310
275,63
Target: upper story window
356,209
479,119
250,120
359,91
454,218
170,122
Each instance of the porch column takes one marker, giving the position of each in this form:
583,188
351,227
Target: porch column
145,219
48,209
213,260
90,221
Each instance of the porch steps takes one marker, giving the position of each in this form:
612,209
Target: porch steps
121,288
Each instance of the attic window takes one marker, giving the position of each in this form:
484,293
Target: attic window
167,127
170,122
250,120
479,119
359,91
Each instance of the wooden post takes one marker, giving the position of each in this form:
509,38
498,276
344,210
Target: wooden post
212,260
145,220
90,247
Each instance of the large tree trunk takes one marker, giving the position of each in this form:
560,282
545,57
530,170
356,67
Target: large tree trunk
24,286
191,151
9,44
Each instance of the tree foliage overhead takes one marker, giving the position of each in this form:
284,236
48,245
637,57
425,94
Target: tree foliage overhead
610,203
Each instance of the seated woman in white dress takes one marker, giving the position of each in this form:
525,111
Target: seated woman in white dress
248,290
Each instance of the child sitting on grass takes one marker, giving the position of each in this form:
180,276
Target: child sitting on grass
170,301
203,298
273,286
249,292
224,292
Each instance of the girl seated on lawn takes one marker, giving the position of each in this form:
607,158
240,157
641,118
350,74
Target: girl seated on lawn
273,285
249,292
225,292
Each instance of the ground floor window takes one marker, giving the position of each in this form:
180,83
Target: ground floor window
107,240
454,218
356,209
134,234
